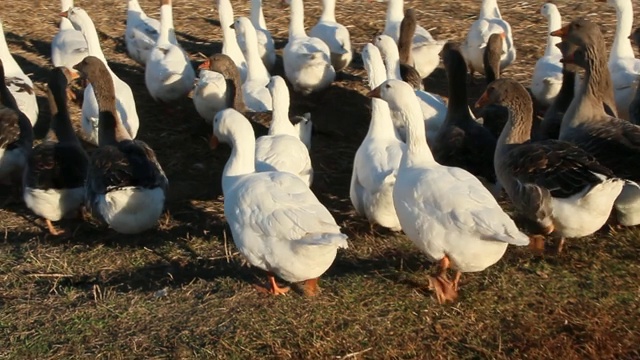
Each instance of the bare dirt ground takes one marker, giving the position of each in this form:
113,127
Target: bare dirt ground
182,292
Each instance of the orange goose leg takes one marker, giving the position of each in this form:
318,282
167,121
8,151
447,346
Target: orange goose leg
272,287
52,229
443,287
311,288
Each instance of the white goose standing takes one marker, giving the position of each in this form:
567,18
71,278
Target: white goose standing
447,212
141,33
256,95
68,46
276,221
230,45
547,74
623,65
266,46
168,75
376,162
335,35
307,60
125,103
19,84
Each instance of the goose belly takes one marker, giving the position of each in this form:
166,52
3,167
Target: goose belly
130,210
378,207
309,77
53,204
208,99
583,214
628,205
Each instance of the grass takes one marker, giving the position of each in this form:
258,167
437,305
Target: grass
182,291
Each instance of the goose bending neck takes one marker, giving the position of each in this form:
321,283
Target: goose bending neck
90,33
296,23
257,15
621,44
166,23
489,9
587,104
555,23
9,62
243,154
381,125
328,10
418,152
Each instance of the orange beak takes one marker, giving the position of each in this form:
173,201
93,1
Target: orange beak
562,32
64,14
503,35
213,142
375,93
484,99
205,65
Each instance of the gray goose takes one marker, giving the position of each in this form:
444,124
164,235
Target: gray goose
405,42
614,142
461,141
56,169
554,183
126,186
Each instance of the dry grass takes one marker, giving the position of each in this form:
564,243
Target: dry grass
182,292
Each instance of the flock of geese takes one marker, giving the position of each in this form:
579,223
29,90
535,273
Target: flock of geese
427,167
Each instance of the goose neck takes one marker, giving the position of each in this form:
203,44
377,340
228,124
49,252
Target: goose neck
328,11
90,33
489,9
280,123
257,15
67,4
255,67
296,23
395,11
166,24
457,79
9,63
418,152
61,123
381,125
110,128
243,154
134,5
621,44
555,22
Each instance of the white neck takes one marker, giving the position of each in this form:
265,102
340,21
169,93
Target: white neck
133,5
166,24
66,5
381,125
555,22
418,152
9,63
395,14
255,67
280,123
296,23
87,28
230,45
243,157
621,44
391,59
257,16
65,24
328,10
489,9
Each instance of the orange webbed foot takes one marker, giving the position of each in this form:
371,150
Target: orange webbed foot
443,287
311,288
53,230
272,287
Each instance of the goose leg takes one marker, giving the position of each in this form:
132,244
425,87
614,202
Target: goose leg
456,280
52,229
441,285
311,288
560,245
272,287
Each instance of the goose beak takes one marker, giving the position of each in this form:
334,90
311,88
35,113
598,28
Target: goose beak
213,142
232,26
562,32
375,93
503,35
64,14
205,65
484,100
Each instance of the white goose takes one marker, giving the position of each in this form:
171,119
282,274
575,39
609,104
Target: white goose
125,103
141,33
68,46
277,223
335,35
256,95
282,149
376,162
307,60
547,74
447,212
395,14
433,107
168,75
230,45
19,84
489,22
266,46
623,65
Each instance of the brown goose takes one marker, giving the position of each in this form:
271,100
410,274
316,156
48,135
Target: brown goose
493,117
16,136
233,98
405,44
613,141
634,107
125,186
57,168
461,141
554,183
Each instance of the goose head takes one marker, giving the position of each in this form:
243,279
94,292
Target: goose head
547,9
226,124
